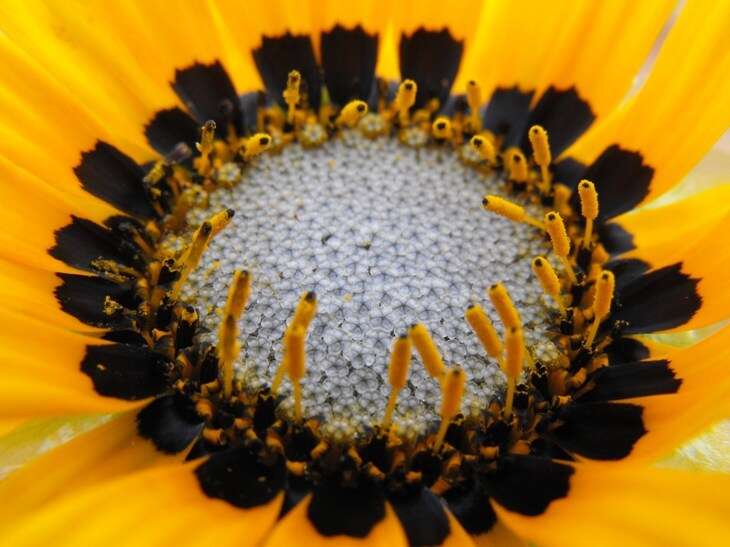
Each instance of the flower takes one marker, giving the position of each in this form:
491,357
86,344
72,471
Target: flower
126,271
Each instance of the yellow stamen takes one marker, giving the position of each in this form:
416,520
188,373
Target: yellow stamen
238,293
351,114
514,358
303,316
508,209
452,391
561,243
205,147
255,145
229,347
589,208
291,94
505,307
405,99
400,360
191,258
485,148
474,100
426,348
517,166
484,329
297,360
545,273
605,286
441,128
541,152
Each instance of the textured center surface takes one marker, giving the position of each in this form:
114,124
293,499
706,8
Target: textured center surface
386,236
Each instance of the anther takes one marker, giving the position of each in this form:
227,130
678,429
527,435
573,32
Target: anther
545,273
555,228
220,221
541,152
452,391
508,209
441,128
297,363
485,148
291,94
474,100
514,359
426,348
517,166
255,145
589,208
605,286
351,114
484,329
405,99
400,360
506,309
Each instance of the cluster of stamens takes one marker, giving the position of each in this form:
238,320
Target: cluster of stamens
234,413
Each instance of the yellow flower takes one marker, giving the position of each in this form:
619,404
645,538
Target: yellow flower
362,273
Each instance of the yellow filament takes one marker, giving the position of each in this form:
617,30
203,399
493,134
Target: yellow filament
605,286
484,329
255,145
485,148
229,349
508,209
400,360
545,273
514,359
191,258
474,100
561,243
541,152
589,208
291,94
351,114
441,128
297,361
239,292
517,166
505,307
405,99
452,391
426,348
220,221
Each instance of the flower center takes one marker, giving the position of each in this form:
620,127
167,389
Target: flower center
386,236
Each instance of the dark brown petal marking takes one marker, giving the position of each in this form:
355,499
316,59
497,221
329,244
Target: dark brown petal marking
661,299
277,55
632,380
422,516
241,478
346,510
170,127
208,93
348,62
431,59
170,422
527,484
600,430
564,115
506,113
111,175
126,372
470,504
86,298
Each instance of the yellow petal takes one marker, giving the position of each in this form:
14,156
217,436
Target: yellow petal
631,506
